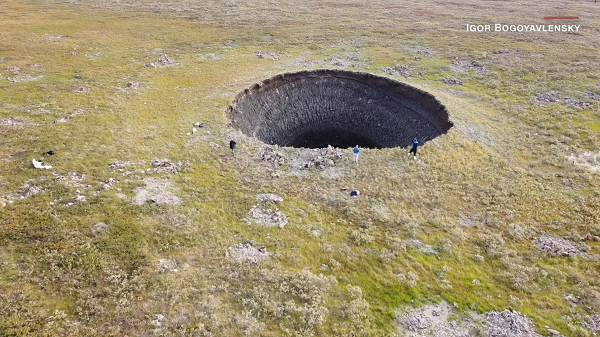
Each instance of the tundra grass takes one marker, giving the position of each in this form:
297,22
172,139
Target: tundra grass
504,163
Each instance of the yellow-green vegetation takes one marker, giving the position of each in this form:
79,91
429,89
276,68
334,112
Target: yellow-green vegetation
480,194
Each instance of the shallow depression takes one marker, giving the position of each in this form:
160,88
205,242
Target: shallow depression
317,108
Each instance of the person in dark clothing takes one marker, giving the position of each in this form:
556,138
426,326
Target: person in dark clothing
413,150
232,144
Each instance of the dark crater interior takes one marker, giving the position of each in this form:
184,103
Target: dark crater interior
317,108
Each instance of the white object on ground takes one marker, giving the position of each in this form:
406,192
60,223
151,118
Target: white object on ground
194,130
38,164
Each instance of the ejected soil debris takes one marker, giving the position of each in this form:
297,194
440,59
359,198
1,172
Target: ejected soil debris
164,61
270,154
267,55
423,247
248,252
434,320
304,62
267,217
593,96
13,69
99,227
321,158
509,324
81,90
24,78
593,322
400,69
557,247
461,65
133,85
15,122
269,198
452,81
346,62
166,266
156,190
554,97
589,160
165,166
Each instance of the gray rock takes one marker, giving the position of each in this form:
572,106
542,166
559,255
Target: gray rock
557,247
248,252
423,247
99,227
269,198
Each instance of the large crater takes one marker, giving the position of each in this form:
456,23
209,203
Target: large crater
340,108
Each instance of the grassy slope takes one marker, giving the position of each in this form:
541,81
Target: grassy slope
58,277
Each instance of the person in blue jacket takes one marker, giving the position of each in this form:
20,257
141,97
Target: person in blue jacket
413,150
356,151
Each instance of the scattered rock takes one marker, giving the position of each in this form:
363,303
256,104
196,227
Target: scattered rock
554,97
267,55
461,65
99,227
61,120
156,190
590,237
452,81
509,324
267,217
322,158
270,154
557,247
166,265
212,56
345,62
423,247
587,159
14,122
304,62
24,78
109,183
269,198
164,61
13,69
400,69
164,165
133,85
81,90
248,252
593,322
593,96
466,221
476,282
158,320
434,320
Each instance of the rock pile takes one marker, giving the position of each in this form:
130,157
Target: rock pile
248,252
554,97
267,217
164,165
452,81
557,247
509,324
399,69
269,154
164,61
325,157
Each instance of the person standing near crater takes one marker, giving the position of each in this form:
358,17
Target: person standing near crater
356,151
232,144
413,150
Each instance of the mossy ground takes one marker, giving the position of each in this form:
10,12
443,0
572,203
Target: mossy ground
507,164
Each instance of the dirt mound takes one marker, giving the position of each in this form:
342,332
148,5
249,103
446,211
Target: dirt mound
461,65
509,324
434,320
156,190
557,247
164,61
321,158
554,97
248,252
267,217
270,154
399,69
165,166
269,198
452,81
589,160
